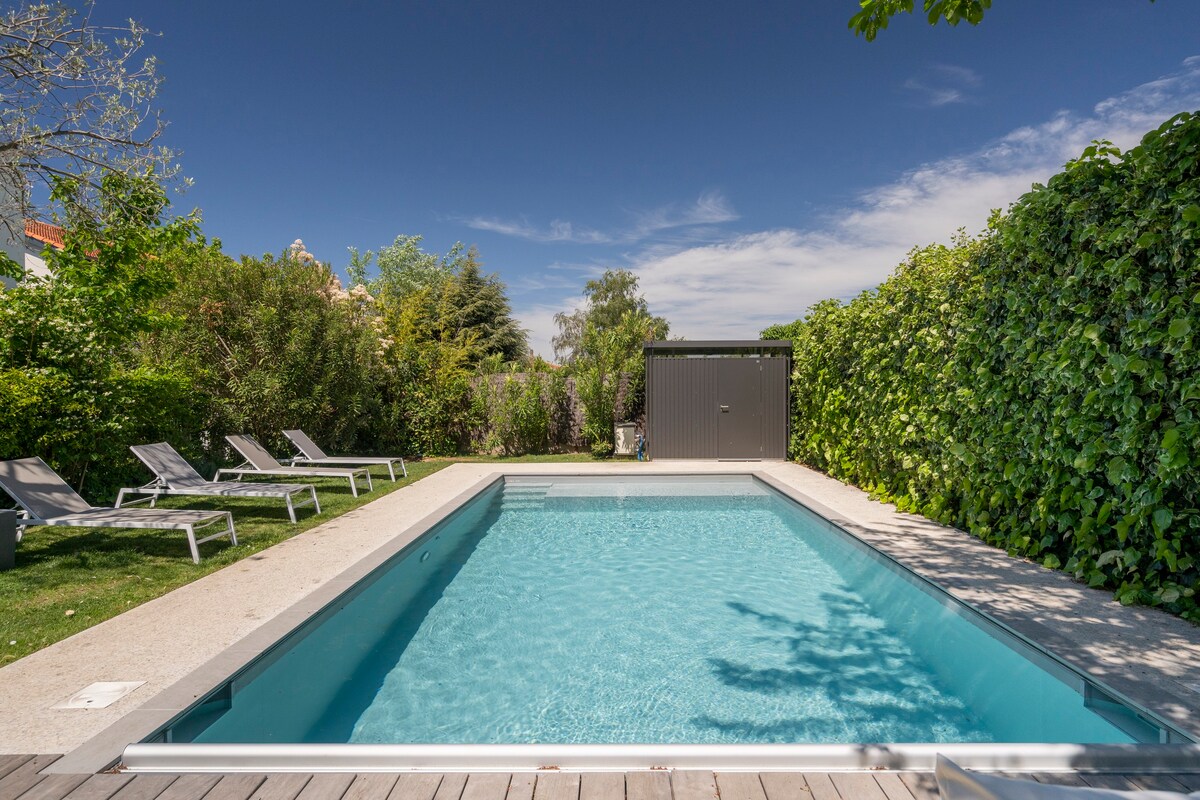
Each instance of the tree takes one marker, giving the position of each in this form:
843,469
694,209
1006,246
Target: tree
272,342
602,344
479,308
76,105
455,298
609,298
876,14
404,269
72,389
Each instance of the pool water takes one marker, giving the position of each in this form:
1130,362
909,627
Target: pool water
705,610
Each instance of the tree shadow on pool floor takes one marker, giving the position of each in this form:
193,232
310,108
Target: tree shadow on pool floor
846,678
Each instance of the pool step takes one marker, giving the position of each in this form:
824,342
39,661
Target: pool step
525,496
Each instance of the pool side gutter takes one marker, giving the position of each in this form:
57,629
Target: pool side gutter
613,758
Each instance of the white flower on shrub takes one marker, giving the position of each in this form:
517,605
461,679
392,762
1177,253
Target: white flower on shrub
300,254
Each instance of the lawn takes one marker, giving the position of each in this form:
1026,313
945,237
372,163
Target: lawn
68,579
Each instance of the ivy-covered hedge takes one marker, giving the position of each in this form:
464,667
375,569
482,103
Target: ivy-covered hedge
1038,386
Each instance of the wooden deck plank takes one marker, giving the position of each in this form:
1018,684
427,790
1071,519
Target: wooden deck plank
54,787
1119,782
857,786
821,786
520,787
648,785
370,786
1189,779
486,786
922,784
556,786
693,784
740,786
235,787
327,786
452,786
892,786
9,763
146,787
186,787
1058,778
24,777
602,786
785,786
281,786
1157,783
99,787
415,786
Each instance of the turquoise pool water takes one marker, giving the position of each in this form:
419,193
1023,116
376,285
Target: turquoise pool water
698,610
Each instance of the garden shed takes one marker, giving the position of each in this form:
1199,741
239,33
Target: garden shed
723,399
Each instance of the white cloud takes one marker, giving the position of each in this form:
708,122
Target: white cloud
556,231
734,287
709,209
943,84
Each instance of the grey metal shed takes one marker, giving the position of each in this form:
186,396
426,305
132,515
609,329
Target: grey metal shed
718,399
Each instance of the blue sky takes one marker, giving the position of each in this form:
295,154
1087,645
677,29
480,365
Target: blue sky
745,159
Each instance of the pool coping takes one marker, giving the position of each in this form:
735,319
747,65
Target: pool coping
110,745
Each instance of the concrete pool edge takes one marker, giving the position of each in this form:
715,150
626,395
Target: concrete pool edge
105,748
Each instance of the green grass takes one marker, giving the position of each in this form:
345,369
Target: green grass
98,573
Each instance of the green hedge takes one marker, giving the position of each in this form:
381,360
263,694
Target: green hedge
1038,386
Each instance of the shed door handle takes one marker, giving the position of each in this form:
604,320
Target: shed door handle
724,409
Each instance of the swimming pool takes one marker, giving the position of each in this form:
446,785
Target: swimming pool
652,610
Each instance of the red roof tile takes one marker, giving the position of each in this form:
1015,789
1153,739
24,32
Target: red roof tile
45,232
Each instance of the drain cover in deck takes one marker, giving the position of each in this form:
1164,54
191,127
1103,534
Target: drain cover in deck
99,695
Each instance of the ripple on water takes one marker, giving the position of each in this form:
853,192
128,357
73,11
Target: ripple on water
667,620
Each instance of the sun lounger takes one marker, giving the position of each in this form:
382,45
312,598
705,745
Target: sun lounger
48,500
174,475
260,462
309,453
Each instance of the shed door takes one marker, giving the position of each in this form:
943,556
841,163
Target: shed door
739,423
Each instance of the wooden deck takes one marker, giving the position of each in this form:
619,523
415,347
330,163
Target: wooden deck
20,780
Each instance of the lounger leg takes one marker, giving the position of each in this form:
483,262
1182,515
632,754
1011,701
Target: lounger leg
370,486
120,498
191,534
291,508
392,472
403,468
316,503
232,532
353,487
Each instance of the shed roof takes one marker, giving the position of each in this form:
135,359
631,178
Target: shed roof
718,345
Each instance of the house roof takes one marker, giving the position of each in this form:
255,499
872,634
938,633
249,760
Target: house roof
45,232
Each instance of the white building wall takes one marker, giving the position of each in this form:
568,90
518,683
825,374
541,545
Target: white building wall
34,265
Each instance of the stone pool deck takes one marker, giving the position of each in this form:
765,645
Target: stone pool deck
1151,657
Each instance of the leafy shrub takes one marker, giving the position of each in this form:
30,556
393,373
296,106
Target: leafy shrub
272,343
522,412
71,387
1039,386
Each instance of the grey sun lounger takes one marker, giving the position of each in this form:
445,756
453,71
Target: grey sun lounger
48,500
260,462
174,475
307,452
